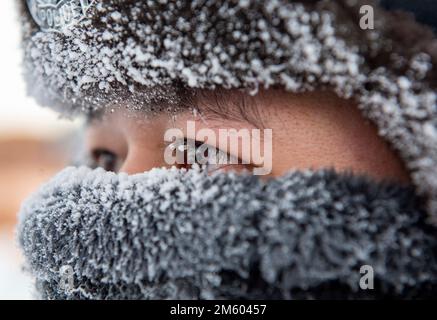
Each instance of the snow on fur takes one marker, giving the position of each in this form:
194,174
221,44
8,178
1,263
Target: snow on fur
130,53
171,233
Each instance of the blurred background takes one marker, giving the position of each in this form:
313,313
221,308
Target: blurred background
34,145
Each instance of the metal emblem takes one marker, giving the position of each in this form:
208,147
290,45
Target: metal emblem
56,15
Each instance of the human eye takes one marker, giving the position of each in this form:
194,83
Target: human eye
105,159
206,156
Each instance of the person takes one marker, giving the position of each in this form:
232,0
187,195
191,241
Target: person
337,172
305,134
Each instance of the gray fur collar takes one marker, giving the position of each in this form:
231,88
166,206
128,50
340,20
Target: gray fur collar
178,234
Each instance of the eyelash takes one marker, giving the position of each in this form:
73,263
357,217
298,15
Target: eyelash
98,154
210,167
110,161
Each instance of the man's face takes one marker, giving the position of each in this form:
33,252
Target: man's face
309,131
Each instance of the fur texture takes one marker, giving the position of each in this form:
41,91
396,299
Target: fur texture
140,54
184,234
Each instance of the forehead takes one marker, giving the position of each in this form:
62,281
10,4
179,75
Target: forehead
231,106
218,104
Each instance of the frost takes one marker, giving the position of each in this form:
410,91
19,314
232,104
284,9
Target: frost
116,16
155,234
132,54
190,76
107,36
430,130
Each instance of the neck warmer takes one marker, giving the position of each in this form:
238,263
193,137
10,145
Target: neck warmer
184,234
179,234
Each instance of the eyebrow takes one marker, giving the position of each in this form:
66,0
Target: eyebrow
225,104
215,104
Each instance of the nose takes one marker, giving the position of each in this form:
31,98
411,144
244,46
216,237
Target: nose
139,161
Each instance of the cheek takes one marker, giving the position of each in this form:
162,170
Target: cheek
345,142
136,141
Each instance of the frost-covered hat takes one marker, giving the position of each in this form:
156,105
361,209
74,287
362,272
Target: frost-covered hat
82,56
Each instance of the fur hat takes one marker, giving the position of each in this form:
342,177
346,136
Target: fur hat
84,56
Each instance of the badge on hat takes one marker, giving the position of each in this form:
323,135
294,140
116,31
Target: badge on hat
55,15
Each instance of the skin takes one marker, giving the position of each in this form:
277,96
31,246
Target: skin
310,131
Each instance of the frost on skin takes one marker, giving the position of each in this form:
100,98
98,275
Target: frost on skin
171,233
132,52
